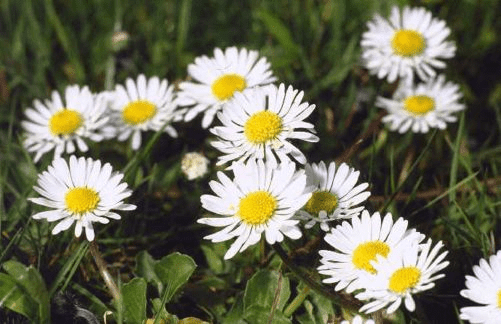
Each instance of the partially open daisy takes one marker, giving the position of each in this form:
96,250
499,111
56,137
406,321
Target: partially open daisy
258,124
484,288
81,191
419,108
357,245
194,165
411,41
402,275
58,124
144,105
335,195
260,199
219,78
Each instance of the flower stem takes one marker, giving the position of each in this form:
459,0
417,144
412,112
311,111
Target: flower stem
297,301
101,265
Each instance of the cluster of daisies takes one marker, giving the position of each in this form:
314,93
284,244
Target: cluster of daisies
273,192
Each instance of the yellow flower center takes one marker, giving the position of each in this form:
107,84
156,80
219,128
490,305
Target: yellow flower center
80,200
321,200
226,85
65,122
257,207
419,105
499,298
262,127
408,43
367,252
139,111
404,278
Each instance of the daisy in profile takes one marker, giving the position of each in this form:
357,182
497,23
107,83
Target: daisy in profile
258,124
358,320
400,276
419,108
144,105
484,288
218,78
194,165
357,245
411,41
82,192
259,200
62,125
335,195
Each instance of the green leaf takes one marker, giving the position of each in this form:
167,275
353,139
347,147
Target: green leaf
145,267
261,315
16,299
262,288
214,260
134,300
236,313
283,35
174,271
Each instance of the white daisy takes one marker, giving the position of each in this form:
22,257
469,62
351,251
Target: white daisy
402,275
194,165
258,123
358,320
358,244
484,288
144,105
410,41
82,191
419,108
218,78
259,199
57,125
335,195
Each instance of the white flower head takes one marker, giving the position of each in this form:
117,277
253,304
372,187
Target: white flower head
335,195
419,108
402,275
81,191
142,105
218,78
258,124
484,288
57,124
411,41
194,165
358,320
357,246
259,200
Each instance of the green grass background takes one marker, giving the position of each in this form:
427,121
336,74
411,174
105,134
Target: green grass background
445,183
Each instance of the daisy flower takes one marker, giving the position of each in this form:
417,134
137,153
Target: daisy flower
402,275
219,78
335,195
358,320
58,124
419,108
194,165
260,200
258,123
81,191
411,41
485,289
358,244
144,105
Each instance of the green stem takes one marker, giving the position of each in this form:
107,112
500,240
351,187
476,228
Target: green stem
296,302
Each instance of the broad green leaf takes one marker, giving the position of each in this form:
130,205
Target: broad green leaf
215,261
134,300
263,286
15,298
174,271
236,313
261,315
145,267
31,281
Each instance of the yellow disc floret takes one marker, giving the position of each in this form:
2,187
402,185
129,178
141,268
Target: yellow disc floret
262,126
321,200
408,43
139,111
257,207
367,252
419,105
80,200
65,122
499,298
404,279
225,86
